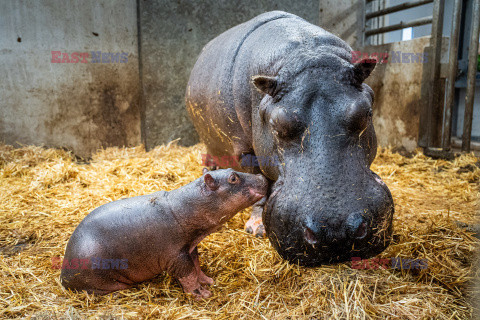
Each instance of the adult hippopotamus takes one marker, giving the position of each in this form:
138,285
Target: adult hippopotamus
279,87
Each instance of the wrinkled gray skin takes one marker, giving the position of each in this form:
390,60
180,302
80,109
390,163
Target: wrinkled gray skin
158,232
279,86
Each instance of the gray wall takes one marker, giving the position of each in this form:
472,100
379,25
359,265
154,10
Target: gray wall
343,18
172,35
79,106
87,106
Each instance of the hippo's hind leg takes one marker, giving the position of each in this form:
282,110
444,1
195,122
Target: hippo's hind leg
254,225
187,274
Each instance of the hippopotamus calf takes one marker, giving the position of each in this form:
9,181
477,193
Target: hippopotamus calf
158,232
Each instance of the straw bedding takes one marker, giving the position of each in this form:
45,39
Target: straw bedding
45,193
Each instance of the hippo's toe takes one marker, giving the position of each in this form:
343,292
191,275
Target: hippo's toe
205,280
201,293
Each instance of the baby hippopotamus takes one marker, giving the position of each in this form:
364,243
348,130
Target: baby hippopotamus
132,240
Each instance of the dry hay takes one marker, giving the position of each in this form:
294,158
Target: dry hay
45,193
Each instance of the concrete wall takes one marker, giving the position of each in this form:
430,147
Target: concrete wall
399,98
86,106
172,35
343,18
79,106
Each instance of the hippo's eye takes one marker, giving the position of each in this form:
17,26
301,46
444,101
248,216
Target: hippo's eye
358,118
285,123
233,179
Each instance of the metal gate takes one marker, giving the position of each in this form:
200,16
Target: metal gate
436,118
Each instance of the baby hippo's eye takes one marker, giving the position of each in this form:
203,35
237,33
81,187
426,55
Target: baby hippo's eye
233,178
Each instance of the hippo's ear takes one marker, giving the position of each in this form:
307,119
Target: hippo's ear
210,182
205,170
265,84
363,69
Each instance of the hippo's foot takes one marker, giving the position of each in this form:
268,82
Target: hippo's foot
254,225
191,284
204,279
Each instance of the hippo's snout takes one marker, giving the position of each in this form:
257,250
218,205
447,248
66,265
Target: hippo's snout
356,228
332,225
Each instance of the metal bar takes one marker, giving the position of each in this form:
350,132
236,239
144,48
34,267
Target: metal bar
452,74
472,72
401,25
436,49
400,7
364,9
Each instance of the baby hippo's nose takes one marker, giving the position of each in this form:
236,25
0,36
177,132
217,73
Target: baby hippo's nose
259,186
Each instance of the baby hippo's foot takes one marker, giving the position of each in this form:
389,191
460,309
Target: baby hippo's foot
201,293
204,279
191,284
254,225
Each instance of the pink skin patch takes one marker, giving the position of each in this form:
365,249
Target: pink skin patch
256,195
255,226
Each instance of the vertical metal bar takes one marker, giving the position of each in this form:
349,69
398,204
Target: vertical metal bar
436,50
364,27
452,75
382,22
472,72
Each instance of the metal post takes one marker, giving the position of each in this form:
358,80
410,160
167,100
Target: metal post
364,26
452,75
436,50
472,71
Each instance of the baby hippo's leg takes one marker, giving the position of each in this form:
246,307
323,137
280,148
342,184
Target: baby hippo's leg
202,277
187,274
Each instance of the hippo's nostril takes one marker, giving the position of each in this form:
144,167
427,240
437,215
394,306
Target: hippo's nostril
361,231
310,236
357,226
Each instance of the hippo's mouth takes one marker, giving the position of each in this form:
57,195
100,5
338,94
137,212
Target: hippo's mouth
256,196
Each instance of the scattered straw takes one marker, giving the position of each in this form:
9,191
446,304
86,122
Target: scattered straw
45,193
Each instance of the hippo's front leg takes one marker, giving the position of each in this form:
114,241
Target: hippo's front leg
187,274
254,225
202,277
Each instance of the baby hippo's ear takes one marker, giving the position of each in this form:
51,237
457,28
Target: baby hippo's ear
205,170
210,182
